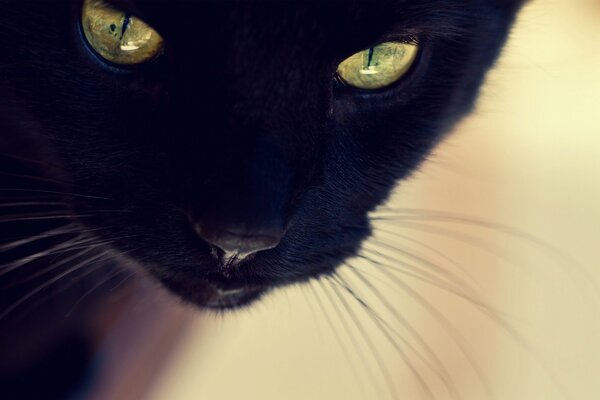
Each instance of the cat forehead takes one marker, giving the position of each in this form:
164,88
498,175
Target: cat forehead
367,16
322,26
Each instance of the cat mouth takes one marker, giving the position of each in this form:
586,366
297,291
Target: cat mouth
226,294
228,299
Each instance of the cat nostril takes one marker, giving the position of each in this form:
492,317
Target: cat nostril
239,242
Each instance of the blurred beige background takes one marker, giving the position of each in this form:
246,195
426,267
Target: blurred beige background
508,317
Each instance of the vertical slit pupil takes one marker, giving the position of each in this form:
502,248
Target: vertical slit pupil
126,23
370,57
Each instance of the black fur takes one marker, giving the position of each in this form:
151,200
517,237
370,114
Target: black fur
239,123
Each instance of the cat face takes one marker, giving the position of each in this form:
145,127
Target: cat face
235,161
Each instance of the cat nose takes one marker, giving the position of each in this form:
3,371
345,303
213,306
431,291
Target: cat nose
239,241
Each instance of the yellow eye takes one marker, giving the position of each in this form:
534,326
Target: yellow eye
378,66
117,36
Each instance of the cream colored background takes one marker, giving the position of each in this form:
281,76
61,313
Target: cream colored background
528,158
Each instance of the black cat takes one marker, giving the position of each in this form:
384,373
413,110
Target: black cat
224,147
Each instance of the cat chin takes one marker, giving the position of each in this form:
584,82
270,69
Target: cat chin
210,291
233,299
209,295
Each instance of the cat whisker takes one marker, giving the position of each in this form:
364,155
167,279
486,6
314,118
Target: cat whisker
424,215
445,274
33,178
452,234
84,251
410,270
437,215
385,329
577,273
41,287
33,203
366,338
449,328
80,242
28,160
114,273
463,291
419,221
56,249
42,217
122,281
429,249
497,317
52,192
62,230
64,287
473,298
356,345
313,313
438,368
340,342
